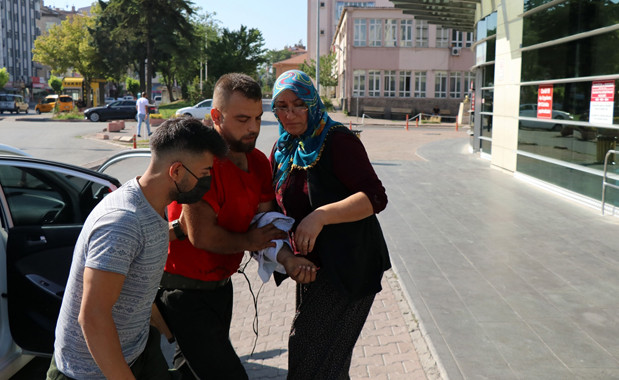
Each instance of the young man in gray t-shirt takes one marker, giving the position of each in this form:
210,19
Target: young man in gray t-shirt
103,329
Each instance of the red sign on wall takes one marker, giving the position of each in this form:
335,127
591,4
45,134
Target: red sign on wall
544,102
602,102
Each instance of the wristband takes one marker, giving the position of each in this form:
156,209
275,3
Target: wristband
178,231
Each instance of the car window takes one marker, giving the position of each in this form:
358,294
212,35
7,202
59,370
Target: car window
66,99
3,98
43,197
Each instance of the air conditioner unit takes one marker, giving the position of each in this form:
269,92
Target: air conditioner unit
455,51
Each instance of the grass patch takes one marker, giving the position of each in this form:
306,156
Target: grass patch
73,115
169,109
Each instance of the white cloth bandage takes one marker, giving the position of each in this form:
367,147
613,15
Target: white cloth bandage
267,258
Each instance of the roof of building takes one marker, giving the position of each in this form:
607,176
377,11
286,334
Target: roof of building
454,14
294,60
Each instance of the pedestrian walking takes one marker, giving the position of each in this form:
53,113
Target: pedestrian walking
143,116
324,180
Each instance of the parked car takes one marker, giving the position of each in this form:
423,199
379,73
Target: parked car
65,103
198,111
118,110
530,110
43,205
157,100
108,100
13,103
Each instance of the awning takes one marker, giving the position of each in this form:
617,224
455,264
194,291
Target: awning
453,14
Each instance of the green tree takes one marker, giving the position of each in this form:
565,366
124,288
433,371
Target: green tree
148,20
265,73
4,77
56,84
70,46
133,86
328,74
236,51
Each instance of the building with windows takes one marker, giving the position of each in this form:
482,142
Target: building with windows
545,88
393,64
329,12
18,30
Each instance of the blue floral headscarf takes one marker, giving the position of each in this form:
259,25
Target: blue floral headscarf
300,152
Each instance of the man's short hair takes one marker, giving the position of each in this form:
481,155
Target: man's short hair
184,135
229,83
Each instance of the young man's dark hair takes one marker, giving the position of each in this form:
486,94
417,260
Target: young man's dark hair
232,82
183,134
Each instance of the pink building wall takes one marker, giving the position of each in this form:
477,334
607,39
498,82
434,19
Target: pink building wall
429,59
328,23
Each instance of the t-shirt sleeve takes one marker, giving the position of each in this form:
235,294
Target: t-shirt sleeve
114,242
352,167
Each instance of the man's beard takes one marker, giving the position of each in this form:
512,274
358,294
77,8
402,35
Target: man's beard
239,145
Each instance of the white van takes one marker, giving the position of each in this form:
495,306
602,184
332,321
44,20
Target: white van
12,103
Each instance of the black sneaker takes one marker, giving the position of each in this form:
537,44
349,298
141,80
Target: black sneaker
139,135
150,133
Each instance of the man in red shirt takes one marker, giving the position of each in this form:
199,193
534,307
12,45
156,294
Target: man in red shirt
196,300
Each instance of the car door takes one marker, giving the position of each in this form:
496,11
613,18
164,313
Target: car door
42,208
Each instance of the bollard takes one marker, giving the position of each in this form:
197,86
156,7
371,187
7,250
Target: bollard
350,125
417,122
456,125
135,146
407,122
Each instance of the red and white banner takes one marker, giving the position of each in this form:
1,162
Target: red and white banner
544,102
602,102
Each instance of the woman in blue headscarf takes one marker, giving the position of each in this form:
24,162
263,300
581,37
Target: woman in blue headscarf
324,180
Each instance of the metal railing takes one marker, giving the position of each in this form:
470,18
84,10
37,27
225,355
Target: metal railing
605,178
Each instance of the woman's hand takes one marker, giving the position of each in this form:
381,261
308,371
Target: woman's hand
307,231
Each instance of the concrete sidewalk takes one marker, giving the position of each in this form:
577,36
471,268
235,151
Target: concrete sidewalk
506,280
391,345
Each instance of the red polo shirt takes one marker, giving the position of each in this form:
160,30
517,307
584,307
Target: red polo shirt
234,196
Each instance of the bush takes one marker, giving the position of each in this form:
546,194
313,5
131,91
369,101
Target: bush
72,115
327,102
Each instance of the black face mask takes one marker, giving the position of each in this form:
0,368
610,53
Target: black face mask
195,194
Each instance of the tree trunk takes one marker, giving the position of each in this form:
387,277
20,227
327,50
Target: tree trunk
170,87
149,67
141,74
87,92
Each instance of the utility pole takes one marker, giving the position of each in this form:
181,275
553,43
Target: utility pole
318,47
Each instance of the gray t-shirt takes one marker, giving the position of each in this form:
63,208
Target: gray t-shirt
125,235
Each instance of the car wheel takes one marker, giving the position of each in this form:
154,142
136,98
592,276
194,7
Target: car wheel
188,114
26,111
38,111
94,117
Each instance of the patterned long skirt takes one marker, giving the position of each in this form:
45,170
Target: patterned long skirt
324,331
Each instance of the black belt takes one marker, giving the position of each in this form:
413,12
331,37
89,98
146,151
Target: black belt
176,281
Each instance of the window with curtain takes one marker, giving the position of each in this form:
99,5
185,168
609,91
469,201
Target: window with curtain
376,35
360,32
420,84
406,33
374,83
389,90
440,84
391,32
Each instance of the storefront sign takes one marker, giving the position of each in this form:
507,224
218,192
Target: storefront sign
544,102
602,102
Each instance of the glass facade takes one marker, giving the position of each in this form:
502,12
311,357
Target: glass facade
570,47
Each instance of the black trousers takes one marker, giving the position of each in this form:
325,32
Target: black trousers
200,321
324,331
